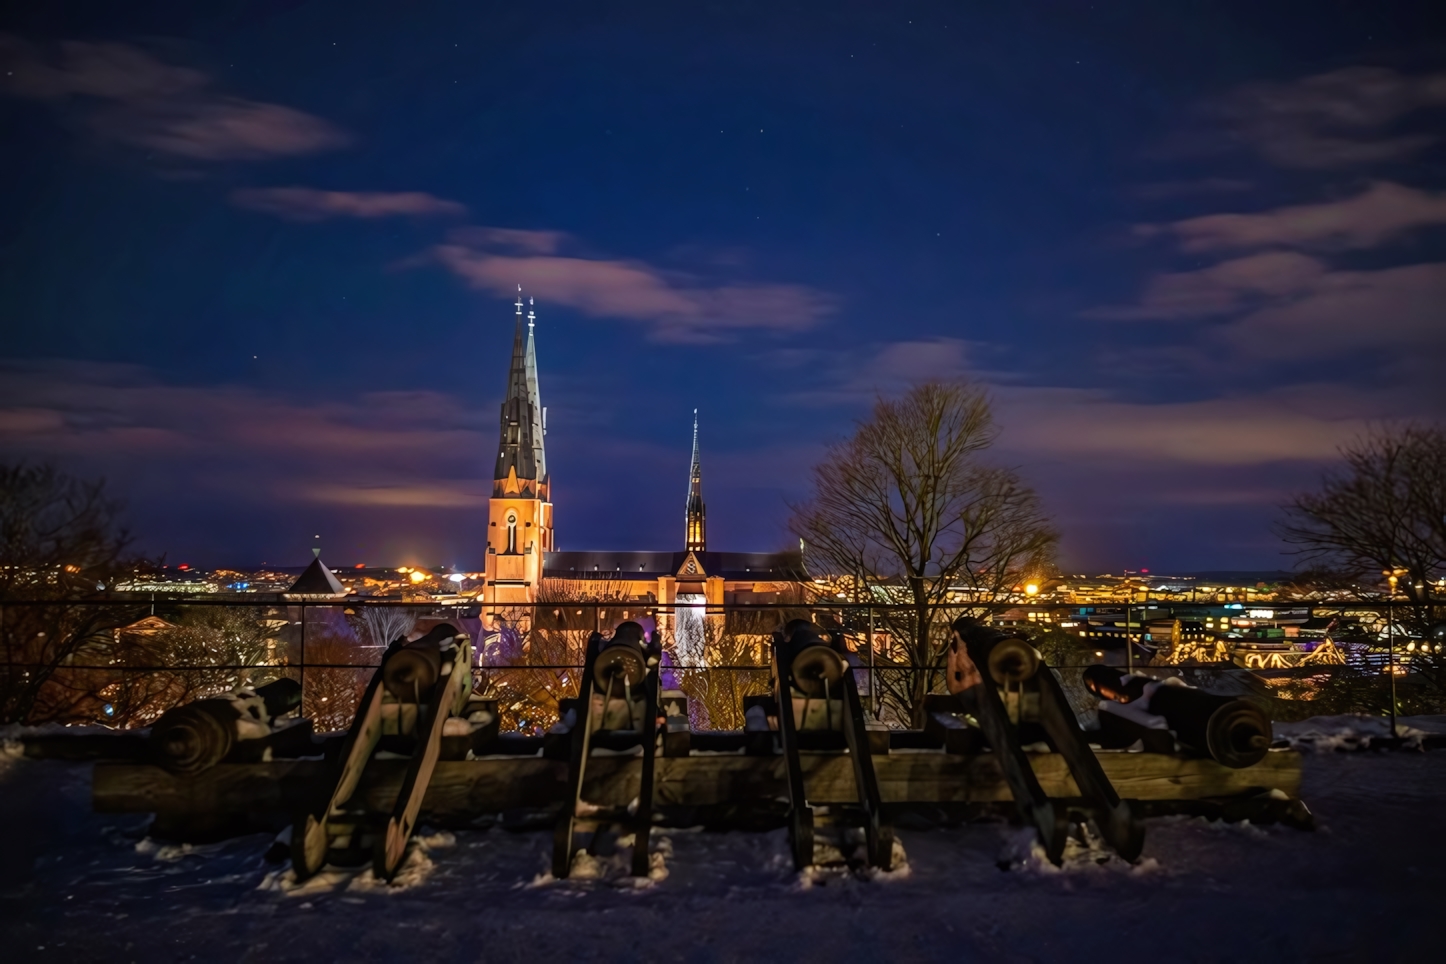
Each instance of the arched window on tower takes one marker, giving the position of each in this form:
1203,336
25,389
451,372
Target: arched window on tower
511,532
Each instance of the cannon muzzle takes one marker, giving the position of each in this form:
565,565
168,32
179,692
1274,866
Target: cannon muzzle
411,669
815,669
1234,732
621,659
199,735
1012,660
1008,659
195,737
280,696
619,663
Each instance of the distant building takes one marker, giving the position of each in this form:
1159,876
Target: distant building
316,584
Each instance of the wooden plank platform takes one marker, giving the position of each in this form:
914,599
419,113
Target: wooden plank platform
492,785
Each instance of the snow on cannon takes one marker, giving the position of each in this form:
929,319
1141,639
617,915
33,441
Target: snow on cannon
1233,732
238,727
616,710
421,691
1020,704
816,702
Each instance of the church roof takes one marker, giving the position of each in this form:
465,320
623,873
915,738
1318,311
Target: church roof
651,565
317,580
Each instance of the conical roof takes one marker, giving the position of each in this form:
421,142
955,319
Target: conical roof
317,580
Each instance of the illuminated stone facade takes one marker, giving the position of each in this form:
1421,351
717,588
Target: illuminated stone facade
522,561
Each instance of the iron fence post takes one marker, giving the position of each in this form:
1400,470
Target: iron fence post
873,678
1391,657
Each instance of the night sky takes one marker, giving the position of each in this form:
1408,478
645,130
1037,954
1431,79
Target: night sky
257,260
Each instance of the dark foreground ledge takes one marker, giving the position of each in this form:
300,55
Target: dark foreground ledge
266,794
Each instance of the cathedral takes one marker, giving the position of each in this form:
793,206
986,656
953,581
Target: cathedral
523,564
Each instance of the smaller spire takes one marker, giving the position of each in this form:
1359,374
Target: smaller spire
696,539
531,315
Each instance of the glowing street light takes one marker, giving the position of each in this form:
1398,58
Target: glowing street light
1392,577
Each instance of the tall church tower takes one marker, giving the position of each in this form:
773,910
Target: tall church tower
519,514
697,528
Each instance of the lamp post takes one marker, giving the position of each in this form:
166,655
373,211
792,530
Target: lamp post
1392,575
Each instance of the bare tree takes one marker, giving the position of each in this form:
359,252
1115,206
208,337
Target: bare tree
906,511
201,654
726,666
1383,511
332,688
60,542
537,658
379,626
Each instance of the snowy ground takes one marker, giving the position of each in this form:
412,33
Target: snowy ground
1368,885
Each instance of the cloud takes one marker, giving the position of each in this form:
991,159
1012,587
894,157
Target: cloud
1301,423
309,204
1290,306
513,239
465,494
129,96
1341,313
1343,118
235,444
1219,289
1305,422
1381,213
677,307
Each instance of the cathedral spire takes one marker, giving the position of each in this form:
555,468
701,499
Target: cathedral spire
697,530
539,414
520,461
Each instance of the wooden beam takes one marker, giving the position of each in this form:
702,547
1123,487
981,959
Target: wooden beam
494,785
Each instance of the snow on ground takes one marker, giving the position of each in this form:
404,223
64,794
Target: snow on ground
1368,885
1324,734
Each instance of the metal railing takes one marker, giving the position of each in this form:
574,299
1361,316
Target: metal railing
122,662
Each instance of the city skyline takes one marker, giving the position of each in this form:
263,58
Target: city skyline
260,261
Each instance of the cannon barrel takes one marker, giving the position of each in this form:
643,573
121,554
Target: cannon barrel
195,737
621,658
815,669
1008,658
1108,683
199,735
280,696
812,662
411,669
1234,732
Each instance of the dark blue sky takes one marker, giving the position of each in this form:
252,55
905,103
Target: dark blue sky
257,259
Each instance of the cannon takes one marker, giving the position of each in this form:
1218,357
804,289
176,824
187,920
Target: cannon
1233,732
240,725
616,709
1021,703
420,686
817,706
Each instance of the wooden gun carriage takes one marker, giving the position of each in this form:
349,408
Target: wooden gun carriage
424,746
